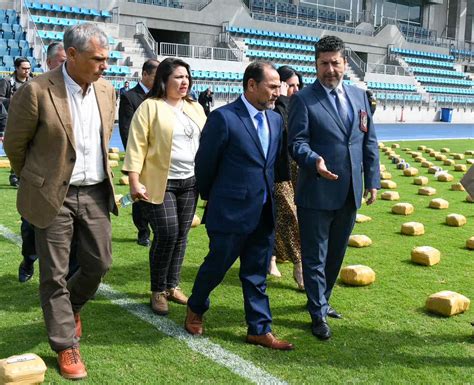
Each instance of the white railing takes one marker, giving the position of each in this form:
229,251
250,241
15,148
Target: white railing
387,69
39,48
191,5
200,52
142,31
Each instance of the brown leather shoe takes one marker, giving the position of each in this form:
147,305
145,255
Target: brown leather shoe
269,341
177,295
159,302
71,365
77,320
193,323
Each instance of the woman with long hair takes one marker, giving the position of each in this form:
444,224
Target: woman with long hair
287,241
163,140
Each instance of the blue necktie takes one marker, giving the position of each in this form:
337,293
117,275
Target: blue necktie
342,110
262,132
264,141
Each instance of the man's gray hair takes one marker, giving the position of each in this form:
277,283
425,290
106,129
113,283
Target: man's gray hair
80,35
53,49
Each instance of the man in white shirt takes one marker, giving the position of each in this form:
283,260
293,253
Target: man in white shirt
58,143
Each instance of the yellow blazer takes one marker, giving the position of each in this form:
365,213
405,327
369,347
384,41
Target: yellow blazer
149,143
39,141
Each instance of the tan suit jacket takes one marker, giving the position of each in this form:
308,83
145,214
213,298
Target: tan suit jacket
150,140
39,141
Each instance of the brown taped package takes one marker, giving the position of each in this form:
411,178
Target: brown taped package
23,369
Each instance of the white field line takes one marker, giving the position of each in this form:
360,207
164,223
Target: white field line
202,345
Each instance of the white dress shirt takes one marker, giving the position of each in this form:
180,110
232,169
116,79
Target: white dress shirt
144,88
87,127
253,111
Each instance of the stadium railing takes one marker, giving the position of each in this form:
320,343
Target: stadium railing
200,52
191,5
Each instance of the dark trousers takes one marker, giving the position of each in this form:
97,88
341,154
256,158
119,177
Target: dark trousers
140,221
85,215
170,222
255,252
28,249
324,236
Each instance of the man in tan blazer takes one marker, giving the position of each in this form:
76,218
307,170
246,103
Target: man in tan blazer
57,134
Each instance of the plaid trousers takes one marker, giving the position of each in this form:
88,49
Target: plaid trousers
170,222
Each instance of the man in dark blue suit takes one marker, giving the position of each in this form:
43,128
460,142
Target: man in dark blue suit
332,138
129,103
235,173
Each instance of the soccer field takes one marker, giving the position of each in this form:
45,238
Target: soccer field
386,336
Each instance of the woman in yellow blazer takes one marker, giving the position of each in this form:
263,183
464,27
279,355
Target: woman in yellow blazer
163,140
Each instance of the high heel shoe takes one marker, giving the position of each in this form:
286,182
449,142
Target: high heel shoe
298,275
273,269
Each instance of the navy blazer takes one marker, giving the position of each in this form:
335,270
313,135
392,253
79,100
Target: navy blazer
231,170
315,129
129,102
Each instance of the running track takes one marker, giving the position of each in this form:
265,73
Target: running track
387,132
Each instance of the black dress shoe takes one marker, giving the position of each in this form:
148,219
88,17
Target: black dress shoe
25,271
333,313
14,181
144,242
320,329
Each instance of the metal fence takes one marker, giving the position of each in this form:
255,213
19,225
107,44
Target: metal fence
191,5
200,52
387,69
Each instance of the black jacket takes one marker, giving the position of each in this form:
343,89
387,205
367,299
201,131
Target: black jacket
282,165
129,103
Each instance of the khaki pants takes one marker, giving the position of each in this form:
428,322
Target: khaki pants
84,213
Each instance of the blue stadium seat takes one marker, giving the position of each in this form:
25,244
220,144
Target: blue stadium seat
12,16
6,27
57,8
47,7
116,55
105,14
95,12
12,43
15,52
85,11
67,9
8,61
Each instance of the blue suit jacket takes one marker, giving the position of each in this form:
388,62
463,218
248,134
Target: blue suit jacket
315,129
231,170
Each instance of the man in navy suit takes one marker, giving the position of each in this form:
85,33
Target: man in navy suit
332,138
129,102
235,174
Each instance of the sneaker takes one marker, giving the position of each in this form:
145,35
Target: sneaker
25,271
71,365
159,302
77,320
177,295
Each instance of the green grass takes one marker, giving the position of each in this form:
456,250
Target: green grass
385,337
